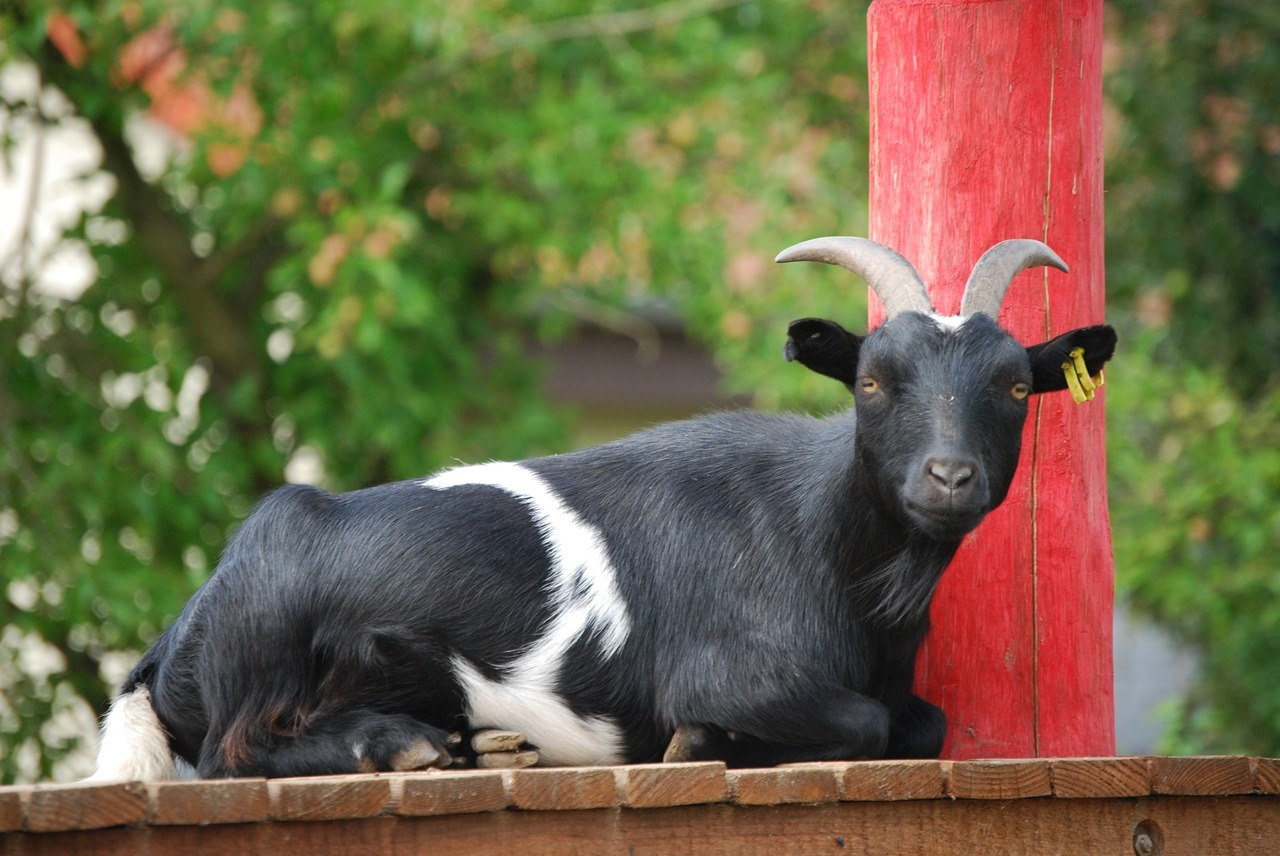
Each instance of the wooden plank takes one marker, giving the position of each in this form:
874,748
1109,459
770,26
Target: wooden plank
1266,775
1101,777
1190,826
85,806
463,792
200,803
562,789
665,785
895,780
986,125
99,842
1202,775
12,807
328,797
999,780
798,783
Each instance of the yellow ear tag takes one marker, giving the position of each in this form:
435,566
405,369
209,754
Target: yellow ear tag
1077,377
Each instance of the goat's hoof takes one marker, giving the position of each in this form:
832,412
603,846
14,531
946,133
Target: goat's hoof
507,760
502,750
493,740
685,744
420,755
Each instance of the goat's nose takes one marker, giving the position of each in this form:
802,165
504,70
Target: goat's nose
949,473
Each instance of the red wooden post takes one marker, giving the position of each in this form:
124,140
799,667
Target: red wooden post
986,124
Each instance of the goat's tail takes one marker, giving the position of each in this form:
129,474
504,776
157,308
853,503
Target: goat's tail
134,745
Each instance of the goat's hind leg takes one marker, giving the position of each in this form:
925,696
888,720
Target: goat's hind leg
357,741
844,725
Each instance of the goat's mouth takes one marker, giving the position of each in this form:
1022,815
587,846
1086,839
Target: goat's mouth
948,523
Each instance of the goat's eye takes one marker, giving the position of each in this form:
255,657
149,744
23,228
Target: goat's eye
1020,391
869,385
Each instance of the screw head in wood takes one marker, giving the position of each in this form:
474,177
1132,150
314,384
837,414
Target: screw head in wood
1148,839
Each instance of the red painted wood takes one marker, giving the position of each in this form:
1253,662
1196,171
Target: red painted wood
986,124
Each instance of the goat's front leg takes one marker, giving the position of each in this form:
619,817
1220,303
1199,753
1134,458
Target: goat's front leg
918,730
354,741
843,725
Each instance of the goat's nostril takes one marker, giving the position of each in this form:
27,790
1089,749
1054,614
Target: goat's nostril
950,474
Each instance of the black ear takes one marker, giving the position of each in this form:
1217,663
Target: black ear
825,347
1098,342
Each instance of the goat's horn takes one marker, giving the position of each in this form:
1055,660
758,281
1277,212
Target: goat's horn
893,278
994,272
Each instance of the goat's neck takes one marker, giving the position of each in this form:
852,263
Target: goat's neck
889,572
897,590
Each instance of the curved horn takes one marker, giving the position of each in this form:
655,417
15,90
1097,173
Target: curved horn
994,272
890,276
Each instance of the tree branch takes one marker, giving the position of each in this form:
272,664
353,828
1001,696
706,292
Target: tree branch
218,330
265,230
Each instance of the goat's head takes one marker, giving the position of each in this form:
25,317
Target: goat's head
941,401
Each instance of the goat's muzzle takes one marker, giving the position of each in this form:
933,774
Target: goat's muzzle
947,497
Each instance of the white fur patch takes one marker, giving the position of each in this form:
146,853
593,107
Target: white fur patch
584,594
582,575
525,701
134,747
949,323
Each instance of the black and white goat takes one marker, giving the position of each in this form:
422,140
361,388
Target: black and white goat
755,585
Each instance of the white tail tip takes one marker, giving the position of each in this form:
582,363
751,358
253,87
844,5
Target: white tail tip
134,747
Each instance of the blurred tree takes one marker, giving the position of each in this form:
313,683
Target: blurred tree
1194,268
1193,169
332,269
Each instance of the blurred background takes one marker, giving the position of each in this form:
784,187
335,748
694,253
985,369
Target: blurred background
256,241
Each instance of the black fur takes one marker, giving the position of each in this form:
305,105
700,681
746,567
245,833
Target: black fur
777,571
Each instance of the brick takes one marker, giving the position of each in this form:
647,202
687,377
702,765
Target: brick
1266,775
202,803
567,788
1202,776
665,785
329,797
63,808
894,780
1100,777
999,779
463,792
809,784
11,807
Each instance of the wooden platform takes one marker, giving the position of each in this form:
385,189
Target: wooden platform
1147,806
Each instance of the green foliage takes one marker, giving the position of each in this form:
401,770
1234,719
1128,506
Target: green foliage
1192,169
1193,227
1196,509
337,277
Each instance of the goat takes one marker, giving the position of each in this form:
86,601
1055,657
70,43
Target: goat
742,586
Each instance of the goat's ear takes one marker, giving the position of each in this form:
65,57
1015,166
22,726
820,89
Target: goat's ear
1097,344
825,347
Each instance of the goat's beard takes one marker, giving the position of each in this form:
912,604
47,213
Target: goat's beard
898,592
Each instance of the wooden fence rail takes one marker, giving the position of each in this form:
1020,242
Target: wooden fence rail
1140,805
